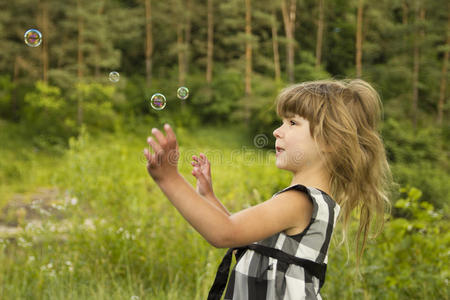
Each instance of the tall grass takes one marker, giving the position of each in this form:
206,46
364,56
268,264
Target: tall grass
110,233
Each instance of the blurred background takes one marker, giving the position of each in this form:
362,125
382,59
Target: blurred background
81,219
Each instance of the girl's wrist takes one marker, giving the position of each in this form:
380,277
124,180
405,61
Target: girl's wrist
211,196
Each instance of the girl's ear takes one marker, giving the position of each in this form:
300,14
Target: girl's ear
325,148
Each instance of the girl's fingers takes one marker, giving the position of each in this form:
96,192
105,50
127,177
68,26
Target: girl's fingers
155,146
148,155
201,161
159,137
195,172
205,159
198,159
170,134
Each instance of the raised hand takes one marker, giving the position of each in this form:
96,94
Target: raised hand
202,171
164,163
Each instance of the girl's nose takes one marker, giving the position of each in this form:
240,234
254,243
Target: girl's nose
276,133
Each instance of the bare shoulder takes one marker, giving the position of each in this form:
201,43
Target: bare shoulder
288,212
302,209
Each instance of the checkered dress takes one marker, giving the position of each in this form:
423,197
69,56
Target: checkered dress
258,277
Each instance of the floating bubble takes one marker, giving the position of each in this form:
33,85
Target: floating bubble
33,37
158,101
114,76
183,93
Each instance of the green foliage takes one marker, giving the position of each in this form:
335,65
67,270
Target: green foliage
43,106
6,88
90,39
97,102
306,71
404,145
407,261
412,254
419,158
99,160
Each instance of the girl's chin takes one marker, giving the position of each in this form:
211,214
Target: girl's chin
279,164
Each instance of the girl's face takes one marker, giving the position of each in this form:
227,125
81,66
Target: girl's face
299,150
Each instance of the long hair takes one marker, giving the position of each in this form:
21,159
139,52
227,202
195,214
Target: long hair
344,116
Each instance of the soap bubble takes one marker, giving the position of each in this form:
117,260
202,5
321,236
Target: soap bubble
158,101
114,76
33,37
183,93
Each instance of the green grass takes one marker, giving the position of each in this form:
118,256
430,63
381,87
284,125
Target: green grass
95,225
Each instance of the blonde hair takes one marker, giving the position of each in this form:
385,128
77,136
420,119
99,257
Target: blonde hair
344,116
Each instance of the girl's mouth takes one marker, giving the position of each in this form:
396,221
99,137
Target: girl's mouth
279,150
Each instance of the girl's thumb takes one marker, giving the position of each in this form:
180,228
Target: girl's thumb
200,176
196,172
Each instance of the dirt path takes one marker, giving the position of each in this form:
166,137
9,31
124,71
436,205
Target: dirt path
32,208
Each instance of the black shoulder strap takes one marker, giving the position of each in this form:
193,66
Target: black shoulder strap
316,269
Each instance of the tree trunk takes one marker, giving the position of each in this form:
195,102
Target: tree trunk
289,26
276,56
181,64
359,39
319,35
44,40
149,42
442,91
209,55
97,60
14,114
248,48
248,59
80,62
188,34
97,45
416,69
405,11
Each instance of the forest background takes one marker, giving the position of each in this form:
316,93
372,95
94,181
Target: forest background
79,216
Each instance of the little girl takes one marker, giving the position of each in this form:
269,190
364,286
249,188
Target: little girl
329,140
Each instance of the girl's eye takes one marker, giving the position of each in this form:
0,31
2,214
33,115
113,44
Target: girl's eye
292,122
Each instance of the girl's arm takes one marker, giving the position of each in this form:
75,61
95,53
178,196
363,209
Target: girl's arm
216,202
202,172
208,216
286,210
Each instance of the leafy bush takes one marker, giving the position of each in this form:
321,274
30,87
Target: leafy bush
408,260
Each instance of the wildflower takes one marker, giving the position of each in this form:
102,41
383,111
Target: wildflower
88,224
23,243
